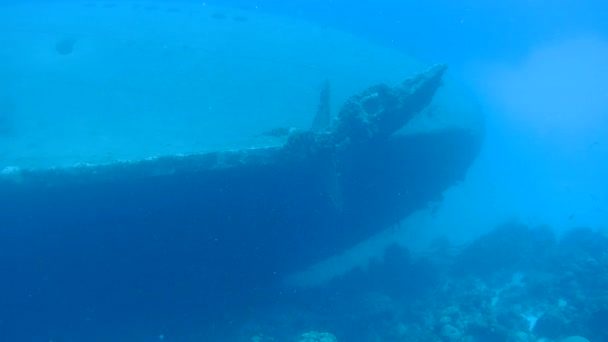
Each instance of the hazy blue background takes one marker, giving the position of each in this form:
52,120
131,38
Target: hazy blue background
464,29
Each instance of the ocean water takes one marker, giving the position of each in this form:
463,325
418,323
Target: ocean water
160,179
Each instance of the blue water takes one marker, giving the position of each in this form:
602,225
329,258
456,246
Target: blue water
466,29
518,250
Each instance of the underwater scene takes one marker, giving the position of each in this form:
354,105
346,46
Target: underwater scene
303,171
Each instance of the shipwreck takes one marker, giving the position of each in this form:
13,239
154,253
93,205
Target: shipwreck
156,230
250,214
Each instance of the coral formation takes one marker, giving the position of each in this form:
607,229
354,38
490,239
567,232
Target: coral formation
542,288
315,336
575,339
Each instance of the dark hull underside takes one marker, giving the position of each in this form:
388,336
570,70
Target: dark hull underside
213,240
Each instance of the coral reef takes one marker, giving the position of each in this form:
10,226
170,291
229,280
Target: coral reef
515,284
315,336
